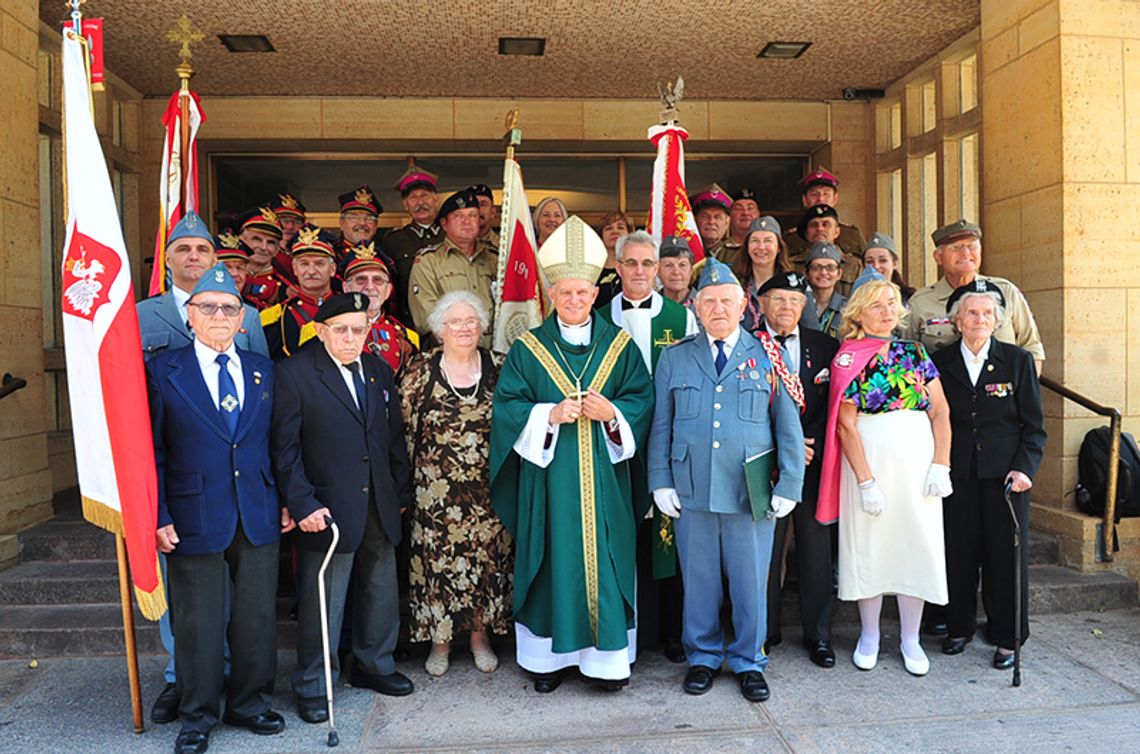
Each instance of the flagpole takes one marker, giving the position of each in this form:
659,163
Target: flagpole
512,138
185,72
129,633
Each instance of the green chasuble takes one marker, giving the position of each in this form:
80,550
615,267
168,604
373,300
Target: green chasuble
574,522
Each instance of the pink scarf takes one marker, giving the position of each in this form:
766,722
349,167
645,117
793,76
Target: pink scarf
849,361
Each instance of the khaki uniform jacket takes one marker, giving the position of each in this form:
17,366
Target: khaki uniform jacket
929,324
444,268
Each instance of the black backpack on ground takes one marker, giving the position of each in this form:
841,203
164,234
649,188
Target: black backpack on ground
1092,474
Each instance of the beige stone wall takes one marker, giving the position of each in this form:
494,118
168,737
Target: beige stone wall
1062,152
25,481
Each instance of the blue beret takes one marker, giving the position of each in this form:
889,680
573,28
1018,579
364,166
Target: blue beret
190,226
716,272
218,280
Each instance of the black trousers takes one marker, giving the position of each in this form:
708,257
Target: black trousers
813,563
659,601
198,618
979,534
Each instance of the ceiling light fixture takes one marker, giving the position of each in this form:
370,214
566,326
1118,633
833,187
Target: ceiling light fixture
246,42
783,50
535,46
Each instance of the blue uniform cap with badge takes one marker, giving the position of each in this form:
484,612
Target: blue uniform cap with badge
217,279
868,274
716,272
823,250
190,226
765,223
879,240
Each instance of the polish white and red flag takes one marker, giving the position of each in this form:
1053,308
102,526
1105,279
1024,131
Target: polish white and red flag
114,453
669,211
179,177
520,305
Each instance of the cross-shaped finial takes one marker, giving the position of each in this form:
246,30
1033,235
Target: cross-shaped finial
184,33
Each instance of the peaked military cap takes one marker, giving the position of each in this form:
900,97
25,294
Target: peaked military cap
312,240
341,303
823,250
820,177
977,285
954,231
880,240
364,257
230,248
288,205
716,272
260,218
459,200
190,226
711,196
415,177
785,281
675,246
361,198
217,279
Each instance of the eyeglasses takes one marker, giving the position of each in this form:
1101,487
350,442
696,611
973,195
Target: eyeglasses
633,264
961,246
228,310
373,279
459,325
342,330
796,300
832,268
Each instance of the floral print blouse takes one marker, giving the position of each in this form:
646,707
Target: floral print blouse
896,382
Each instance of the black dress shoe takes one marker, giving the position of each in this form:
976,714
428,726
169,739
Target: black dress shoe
753,686
1002,661
191,742
607,685
265,723
821,653
954,646
393,684
699,679
313,709
774,640
674,651
546,682
165,709
936,629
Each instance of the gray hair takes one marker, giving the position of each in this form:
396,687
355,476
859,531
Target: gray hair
447,301
637,236
739,291
999,310
547,200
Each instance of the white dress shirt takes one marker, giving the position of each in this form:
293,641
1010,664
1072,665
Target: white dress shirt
181,298
792,344
729,344
208,363
974,363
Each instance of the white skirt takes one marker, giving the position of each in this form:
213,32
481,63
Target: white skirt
900,551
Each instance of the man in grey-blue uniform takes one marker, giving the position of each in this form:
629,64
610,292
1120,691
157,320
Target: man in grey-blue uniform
721,400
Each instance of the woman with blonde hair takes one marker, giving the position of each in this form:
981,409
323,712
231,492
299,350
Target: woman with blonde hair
886,468
549,213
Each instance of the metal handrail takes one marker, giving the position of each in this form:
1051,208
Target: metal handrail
11,384
1115,425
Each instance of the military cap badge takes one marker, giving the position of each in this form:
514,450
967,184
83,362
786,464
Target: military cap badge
268,215
228,240
219,276
363,195
288,201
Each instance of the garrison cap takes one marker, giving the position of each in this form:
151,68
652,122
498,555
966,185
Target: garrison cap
880,240
978,285
464,199
216,279
361,198
745,193
675,246
823,250
868,274
785,281
414,178
230,248
811,213
190,226
766,222
364,258
312,240
260,218
341,303
287,205
716,272
954,231
710,196
820,177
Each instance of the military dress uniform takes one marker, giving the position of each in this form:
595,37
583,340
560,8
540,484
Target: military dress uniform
850,243
284,322
401,246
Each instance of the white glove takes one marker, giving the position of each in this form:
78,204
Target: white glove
873,499
938,481
667,501
781,506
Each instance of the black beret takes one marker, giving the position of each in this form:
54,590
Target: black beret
979,285
785,281
811,213
745,193
342,303
459,200
482,189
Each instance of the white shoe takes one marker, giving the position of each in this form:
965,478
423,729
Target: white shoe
862,661
919,665
437,663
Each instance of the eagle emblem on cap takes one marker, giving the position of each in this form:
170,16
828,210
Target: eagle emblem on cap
228,240
365,251
219,276
356,300
819,210
980,285
309,236
287,201
191,220
268,214
794,279
363,195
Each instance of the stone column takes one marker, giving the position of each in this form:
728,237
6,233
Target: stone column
25,481
1060,84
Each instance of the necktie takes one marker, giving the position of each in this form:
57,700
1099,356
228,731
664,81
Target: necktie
627,304
358,382
721,358
227,394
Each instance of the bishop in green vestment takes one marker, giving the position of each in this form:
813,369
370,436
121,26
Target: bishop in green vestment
572,407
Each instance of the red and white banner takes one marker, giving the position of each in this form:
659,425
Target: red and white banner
669,210
519,299
114,453
177,170
93,33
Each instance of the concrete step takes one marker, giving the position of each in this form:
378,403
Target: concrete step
66,540
49,582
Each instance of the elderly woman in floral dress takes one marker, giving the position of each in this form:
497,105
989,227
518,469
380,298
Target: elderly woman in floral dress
460,569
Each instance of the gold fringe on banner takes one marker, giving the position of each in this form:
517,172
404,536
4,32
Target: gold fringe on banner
151,604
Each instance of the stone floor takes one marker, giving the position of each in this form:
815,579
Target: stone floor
1080,693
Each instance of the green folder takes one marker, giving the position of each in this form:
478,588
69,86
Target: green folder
758,477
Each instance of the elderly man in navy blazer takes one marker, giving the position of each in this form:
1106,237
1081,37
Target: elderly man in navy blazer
721,401
163,319
219,517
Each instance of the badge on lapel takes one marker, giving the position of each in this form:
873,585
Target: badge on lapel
999,389
256,377
823,376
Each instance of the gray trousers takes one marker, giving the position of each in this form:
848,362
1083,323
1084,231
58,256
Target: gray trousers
375,610
198,617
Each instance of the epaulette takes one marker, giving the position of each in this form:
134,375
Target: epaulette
413,337
429,248
272,314
308,332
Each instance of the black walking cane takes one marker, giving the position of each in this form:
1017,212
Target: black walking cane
1016,584
334,739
